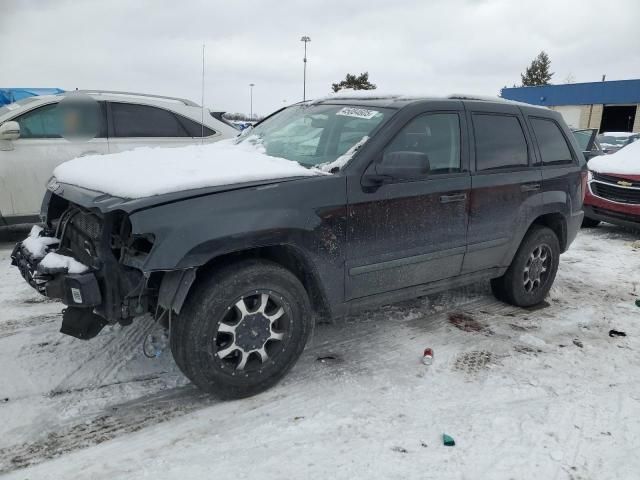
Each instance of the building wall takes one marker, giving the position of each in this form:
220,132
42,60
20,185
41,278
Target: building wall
590,115
636,121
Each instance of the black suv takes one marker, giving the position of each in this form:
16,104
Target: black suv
419,195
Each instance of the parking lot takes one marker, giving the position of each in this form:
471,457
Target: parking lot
540,393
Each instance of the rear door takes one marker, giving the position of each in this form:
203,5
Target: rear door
561,175
506,184
134,125
411,232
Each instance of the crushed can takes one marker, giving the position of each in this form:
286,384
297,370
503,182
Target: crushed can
427,356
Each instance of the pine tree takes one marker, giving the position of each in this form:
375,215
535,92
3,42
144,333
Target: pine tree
538,73
360,82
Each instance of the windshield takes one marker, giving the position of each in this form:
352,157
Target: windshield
317,135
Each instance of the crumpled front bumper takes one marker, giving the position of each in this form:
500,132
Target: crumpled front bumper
73,289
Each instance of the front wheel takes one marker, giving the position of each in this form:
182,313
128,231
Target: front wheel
242,329
532,271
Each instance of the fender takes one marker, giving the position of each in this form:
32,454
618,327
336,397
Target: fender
307,215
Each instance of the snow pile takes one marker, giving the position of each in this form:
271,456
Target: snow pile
625,161
148,171
55,261
37,245
349,93
617,134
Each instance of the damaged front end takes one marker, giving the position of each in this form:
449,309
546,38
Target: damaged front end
84,259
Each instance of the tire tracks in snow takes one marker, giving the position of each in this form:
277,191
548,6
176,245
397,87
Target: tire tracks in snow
120,419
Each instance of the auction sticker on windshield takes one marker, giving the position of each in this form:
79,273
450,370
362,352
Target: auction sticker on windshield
357,112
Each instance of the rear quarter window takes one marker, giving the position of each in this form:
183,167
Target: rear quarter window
552,144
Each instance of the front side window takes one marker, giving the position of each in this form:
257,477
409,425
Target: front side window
64,119
315,134
131,120
435,134
43,122
552,144
499,141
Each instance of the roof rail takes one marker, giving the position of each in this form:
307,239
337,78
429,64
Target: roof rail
134,94
484,98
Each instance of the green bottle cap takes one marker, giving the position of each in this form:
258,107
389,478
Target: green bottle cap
447,440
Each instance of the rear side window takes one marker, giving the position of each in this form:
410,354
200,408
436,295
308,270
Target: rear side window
435,134
131,120
551,142
499,141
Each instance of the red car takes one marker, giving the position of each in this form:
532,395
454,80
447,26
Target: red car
614,189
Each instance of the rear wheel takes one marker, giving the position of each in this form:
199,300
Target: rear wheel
589,222
242,329
532,271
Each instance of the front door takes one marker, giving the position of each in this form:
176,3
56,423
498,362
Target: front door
30,160
410,232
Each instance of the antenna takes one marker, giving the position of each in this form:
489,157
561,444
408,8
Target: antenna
202,102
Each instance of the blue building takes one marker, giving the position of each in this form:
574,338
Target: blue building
608,106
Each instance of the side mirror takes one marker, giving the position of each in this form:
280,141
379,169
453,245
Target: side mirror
403,165
9,131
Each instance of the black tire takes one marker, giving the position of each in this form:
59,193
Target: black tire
590,222
518,286
232,354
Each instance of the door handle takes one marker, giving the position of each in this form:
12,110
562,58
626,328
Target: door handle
529,187
460,197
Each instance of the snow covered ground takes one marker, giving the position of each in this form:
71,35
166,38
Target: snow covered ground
526,394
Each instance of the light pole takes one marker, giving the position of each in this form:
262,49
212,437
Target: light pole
305,39
251,85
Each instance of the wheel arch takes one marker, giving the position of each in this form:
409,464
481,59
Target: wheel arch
173,294
557,222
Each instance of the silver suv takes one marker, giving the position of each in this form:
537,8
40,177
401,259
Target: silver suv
34,140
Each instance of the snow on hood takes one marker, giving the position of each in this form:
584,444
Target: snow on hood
149,171
624,161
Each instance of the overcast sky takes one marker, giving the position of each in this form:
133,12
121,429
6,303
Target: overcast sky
407,46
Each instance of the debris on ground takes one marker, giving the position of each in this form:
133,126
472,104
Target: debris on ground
578,343
447,440
399,450
326,358
616,333
427,356
467,323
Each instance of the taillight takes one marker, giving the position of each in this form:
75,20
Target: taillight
584,176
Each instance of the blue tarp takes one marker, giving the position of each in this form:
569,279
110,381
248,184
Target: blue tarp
10,95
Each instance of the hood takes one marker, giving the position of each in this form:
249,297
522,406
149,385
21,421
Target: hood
625,161
105,203
147,172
